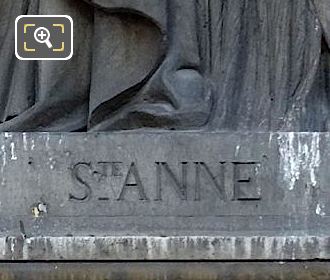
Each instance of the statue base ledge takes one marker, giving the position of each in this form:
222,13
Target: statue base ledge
164,196
174,248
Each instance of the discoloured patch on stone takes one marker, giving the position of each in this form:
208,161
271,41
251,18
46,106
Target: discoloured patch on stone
166,248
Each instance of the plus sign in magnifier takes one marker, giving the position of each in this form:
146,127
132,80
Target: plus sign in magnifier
42,36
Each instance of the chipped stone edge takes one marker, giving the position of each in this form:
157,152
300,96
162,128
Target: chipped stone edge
114,248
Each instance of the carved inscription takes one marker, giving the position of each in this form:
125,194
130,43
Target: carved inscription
185,181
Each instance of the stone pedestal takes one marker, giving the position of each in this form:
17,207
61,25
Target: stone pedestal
164,196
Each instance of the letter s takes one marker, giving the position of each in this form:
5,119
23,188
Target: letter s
76,175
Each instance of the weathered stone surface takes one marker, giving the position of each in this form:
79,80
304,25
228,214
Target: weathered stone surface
173,196
204,65
175,248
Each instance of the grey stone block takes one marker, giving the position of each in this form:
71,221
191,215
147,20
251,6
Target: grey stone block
172,196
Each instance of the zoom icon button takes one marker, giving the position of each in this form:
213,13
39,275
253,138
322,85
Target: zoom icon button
44,37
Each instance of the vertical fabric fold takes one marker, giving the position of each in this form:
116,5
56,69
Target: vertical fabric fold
266,58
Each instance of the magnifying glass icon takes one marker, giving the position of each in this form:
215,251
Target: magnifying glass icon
42,36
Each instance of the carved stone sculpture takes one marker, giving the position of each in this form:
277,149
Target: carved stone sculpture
145,70
269,62
160,82
49,95
236,66
195,64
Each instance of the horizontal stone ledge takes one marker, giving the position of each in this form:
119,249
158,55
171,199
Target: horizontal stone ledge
165,270
178,248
